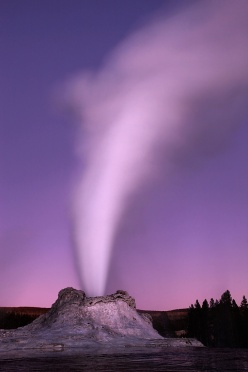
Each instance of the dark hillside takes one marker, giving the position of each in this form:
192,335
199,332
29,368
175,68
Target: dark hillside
14,317
172,323
168,323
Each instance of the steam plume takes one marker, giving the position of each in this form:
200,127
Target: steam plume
177,84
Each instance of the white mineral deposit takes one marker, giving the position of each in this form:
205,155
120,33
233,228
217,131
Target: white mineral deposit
89,323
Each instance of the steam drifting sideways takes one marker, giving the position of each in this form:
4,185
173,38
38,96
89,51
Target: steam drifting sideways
178,84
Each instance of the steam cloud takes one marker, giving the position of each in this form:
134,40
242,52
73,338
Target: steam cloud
177,86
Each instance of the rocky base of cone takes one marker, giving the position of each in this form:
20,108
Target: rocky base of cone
77,321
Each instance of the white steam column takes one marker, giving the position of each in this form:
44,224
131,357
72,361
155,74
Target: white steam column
174,79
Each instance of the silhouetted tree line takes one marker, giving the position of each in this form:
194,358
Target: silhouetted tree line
11,320
220,323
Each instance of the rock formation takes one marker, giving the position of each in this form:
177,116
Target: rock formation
75,320
95,318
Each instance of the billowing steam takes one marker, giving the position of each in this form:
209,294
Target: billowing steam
178,86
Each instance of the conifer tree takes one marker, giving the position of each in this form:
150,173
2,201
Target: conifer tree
244,303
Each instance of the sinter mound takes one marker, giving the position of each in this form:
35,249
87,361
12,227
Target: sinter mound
97,318
75,320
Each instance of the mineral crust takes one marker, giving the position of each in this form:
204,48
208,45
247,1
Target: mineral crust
77,321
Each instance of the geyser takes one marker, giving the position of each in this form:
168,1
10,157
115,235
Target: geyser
179,83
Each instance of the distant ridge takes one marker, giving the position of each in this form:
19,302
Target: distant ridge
168,323
25,310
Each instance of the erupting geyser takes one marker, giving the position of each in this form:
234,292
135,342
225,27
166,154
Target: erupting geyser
179,83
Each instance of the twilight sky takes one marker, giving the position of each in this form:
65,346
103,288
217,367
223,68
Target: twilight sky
123,129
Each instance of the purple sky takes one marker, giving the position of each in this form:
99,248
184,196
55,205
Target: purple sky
184,232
